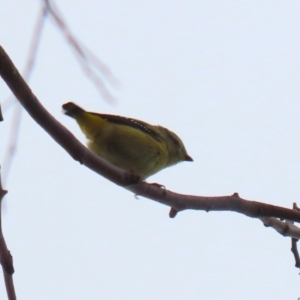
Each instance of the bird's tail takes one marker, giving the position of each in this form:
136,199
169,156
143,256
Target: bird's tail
71,109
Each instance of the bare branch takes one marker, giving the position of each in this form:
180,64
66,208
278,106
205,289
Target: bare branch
80,153
5,256
16,120
2,194
1,117
36,37
13,138
286,228
59,133
294,250
35,43
86,59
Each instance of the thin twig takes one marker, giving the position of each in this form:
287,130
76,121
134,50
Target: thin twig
1,117
294,241
295,252
36,37
16,120
5,256
86,59
13,138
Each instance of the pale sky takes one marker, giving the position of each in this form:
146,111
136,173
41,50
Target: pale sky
223,75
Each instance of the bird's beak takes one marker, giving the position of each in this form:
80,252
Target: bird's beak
188,158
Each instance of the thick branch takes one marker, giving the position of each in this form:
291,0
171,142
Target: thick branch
80,153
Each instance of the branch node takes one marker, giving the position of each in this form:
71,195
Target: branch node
131,178
1,117
285,229
173,212
295,207
7,263
3,193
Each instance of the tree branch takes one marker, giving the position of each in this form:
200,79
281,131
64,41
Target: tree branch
286,228
295,252
177,202
1,117
90,64
5,256
59,133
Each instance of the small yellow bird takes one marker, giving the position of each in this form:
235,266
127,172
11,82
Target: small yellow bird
129,144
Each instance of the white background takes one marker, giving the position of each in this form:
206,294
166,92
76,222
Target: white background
223,75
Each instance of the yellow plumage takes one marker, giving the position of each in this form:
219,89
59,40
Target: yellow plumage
127,143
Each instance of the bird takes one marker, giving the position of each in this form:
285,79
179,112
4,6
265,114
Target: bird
130,144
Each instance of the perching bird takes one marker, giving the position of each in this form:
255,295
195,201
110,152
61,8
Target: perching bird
130,144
